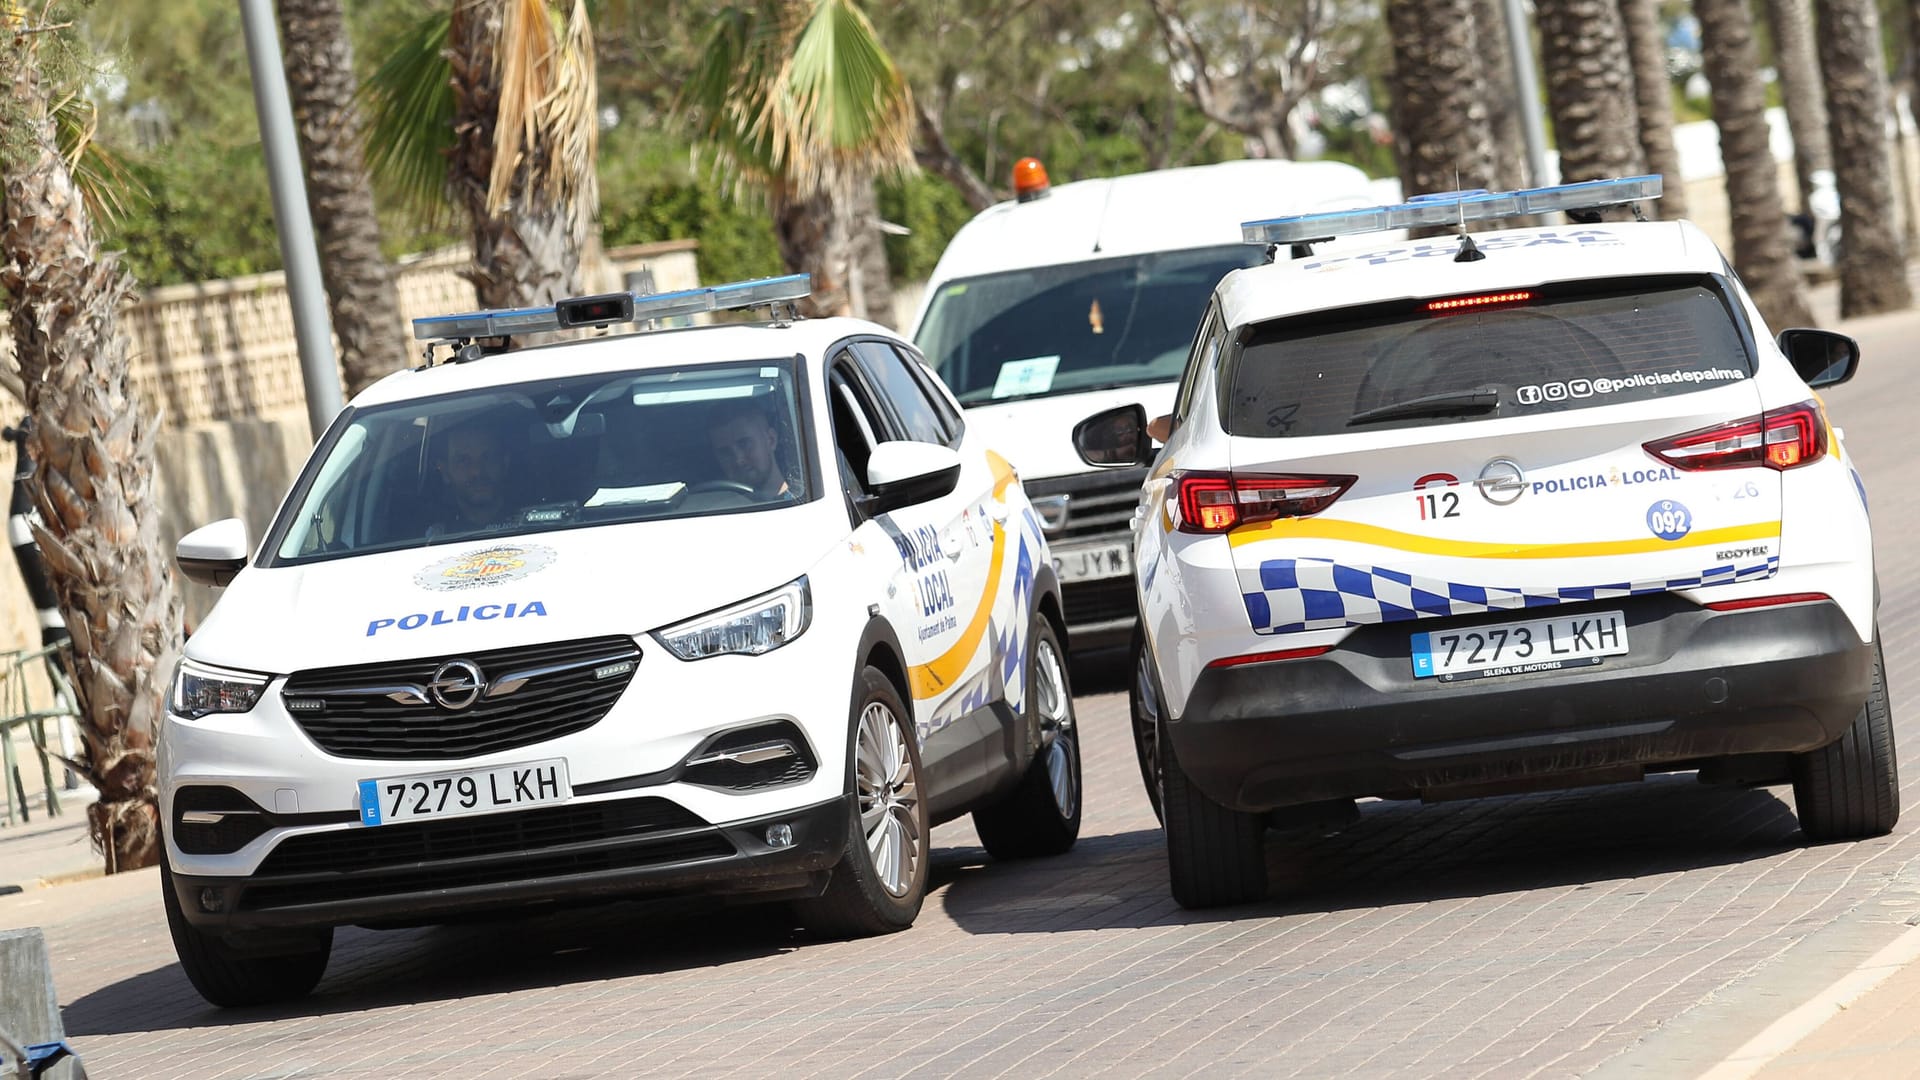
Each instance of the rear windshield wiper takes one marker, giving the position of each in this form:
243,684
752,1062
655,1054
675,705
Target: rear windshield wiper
1483,399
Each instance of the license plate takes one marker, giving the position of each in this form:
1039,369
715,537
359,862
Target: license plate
1515,648
393,799
1093,563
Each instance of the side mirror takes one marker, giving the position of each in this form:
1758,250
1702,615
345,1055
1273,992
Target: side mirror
213,554
1116,437
904,473
1822,357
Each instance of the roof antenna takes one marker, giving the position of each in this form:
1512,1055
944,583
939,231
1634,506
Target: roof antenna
1468,251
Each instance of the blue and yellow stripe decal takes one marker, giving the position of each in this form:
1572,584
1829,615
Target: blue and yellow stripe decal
1357,533
938,674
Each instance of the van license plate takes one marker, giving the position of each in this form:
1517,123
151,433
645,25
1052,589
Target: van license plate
393,799
1093,562
1516,648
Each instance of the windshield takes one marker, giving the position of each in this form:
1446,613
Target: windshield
1073,327
1567,347
553,454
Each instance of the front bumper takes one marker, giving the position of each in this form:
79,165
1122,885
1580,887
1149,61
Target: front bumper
1699,685
427,872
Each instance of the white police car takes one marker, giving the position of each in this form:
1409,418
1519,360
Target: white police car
1542,508
740,609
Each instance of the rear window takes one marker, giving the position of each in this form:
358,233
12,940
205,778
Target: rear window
1399,365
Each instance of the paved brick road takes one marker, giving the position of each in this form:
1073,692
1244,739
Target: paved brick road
1635,930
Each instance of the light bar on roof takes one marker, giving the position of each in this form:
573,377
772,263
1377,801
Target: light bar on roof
607,309
1452,208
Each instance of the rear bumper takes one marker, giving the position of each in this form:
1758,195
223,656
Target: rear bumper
680,859
1699,685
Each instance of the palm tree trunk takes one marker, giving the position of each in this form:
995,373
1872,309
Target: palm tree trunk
360,291
1439,99
1503,108
526,243
1760,253
1590,90
1653,96
870,256
1873,270
814,240
92,442
1799,70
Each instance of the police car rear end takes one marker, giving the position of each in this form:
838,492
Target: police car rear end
1543,508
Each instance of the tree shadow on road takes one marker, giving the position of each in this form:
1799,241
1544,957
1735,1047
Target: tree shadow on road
1397,853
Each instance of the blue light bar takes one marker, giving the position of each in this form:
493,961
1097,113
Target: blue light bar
604,310
1452,208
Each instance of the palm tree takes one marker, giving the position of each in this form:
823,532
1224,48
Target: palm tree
1503,109
1439,101
1653,96
1760,252
91,440
1792,25
493,106
1873,270
361,298
1590,91
799,100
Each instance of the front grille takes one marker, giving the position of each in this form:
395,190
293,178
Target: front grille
670,849
1099,505
384,711
1104,600
409,845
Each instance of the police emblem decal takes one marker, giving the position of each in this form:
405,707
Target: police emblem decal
487,566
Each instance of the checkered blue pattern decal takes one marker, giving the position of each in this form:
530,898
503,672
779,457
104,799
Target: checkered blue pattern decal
1320,594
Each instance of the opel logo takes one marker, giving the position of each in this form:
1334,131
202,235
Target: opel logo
457,684
1502,481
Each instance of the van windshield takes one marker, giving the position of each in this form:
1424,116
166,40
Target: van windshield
1075,327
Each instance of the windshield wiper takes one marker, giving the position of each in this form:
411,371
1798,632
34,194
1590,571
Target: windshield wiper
1484,399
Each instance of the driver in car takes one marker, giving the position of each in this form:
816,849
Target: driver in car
474,466
746,446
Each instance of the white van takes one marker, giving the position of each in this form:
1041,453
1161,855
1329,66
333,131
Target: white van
1072,300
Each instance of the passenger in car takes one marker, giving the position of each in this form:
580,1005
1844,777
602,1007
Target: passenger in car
747,448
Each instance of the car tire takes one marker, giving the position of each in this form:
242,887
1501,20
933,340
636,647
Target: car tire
1216,855
231,978
881,879
1143,706
1850,788
1042,815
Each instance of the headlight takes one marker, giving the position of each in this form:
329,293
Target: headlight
755,626
200,689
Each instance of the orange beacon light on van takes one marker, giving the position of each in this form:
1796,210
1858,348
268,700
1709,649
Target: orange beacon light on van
1029,179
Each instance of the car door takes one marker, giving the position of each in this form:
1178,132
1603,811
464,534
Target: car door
939,598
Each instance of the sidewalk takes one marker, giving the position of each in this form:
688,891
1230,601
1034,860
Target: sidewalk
48,851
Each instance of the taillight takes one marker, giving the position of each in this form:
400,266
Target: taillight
1779,439
1217,502
1769,601
1263,657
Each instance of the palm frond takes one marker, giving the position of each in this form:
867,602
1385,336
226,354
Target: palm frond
547,106
846,108
408,103
104,180
794,93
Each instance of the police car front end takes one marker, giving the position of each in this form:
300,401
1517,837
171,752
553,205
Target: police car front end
692,757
